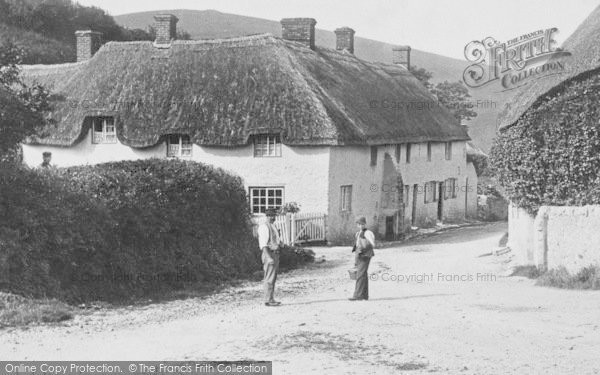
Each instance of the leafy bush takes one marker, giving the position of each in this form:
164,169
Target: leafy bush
121,230
551,156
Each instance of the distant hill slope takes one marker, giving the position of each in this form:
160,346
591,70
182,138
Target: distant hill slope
38,48
209,24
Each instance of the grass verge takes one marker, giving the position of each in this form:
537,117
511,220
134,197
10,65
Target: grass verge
20,311
587,278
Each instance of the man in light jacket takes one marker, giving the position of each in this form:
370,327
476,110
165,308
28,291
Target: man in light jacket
363,251
269,243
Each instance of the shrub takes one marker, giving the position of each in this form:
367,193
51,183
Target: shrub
122,230
551,156
587,278
291,257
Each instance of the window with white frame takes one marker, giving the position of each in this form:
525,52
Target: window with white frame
408,147
267,145
263,198
104,130
346,198
179,146
448,147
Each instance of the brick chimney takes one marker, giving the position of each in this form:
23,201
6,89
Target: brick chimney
401,56
88,42
299,30
166,28
344,39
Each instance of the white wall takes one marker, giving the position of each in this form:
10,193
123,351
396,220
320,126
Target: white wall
85,152
420,171
521,234
301,171
470,190
557,236
311,176
351,166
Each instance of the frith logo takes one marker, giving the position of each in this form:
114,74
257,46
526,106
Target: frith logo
515,62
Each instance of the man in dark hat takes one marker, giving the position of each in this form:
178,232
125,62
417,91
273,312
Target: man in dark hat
269,243
363,251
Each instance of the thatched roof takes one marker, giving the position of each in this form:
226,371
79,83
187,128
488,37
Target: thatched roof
585,55
222,91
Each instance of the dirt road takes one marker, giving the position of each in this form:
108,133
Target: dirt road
436,305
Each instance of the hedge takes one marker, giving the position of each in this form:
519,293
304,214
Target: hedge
551,155
122,230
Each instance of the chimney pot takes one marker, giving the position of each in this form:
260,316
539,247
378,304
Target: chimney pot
344,39
299,30
88,42
401,56
166,28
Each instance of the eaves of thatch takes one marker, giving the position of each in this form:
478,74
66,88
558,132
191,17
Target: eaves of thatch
221,92
585,55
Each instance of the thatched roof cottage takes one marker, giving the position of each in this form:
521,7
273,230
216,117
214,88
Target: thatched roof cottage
300,123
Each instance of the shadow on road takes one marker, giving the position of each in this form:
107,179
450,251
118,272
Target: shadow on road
370,300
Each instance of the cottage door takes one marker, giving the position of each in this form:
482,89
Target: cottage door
414,204
389,228
440,210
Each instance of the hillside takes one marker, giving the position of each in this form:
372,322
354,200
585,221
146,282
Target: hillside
37,48
209,24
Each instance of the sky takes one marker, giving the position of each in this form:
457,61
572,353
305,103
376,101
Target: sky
439,26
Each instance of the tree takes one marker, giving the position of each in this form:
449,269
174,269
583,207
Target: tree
455,96
452,95
22,105
422,75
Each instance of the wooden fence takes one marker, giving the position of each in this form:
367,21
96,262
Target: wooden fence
297,228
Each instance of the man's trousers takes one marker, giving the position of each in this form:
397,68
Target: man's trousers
361,291
270,271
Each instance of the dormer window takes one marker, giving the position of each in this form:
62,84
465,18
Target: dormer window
179,146
104,130
267,145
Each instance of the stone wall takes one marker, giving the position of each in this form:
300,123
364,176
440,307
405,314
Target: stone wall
557,236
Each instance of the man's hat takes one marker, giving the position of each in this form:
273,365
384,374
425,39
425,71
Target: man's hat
46,153
271,212
361,220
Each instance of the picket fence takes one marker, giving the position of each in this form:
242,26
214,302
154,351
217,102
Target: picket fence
297,228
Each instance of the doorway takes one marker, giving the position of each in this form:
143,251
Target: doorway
440,207
414,204
389,228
